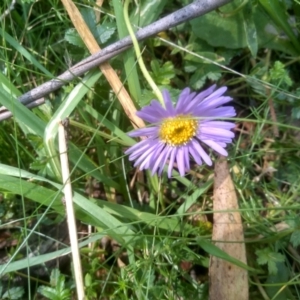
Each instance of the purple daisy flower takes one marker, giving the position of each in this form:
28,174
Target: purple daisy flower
180,132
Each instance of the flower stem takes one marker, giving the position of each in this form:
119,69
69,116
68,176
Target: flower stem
137,50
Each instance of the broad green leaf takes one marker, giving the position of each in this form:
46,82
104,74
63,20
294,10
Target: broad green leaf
13,293
48,292
54,277
147,12
220,30
277,12
162,74
269,257
101,32
295,238
215,251
72,37
88,280
279,75
104,33
276,285
250,29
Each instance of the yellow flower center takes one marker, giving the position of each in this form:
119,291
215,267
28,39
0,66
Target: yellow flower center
178,130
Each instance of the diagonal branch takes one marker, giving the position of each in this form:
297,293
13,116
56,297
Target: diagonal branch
191,11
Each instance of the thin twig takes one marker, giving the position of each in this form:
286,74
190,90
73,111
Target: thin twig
191,11
109,73
5,114
8,10
70,212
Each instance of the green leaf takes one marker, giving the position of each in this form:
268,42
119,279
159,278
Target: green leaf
147,12
203,72
279,15
162,74
22,114
104,33
72,37
295,238
250,29
228,30
215,251
48,292
267,256
13,293
100,32
88,280
276,284
54,277
279,75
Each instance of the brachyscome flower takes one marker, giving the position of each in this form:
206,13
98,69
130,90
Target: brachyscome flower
180,132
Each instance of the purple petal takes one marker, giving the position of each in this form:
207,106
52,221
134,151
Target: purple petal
145,157
138,146
146,131
184,99
201,96
160,158
215,146
171,161
186,158
156,154
221,144
201,152
212,103
195,155
155,108
180,161
218,124
214,113
220,112
214,132
170,111
165,157
150,118
216,94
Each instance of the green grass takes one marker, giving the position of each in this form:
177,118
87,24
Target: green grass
144,237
